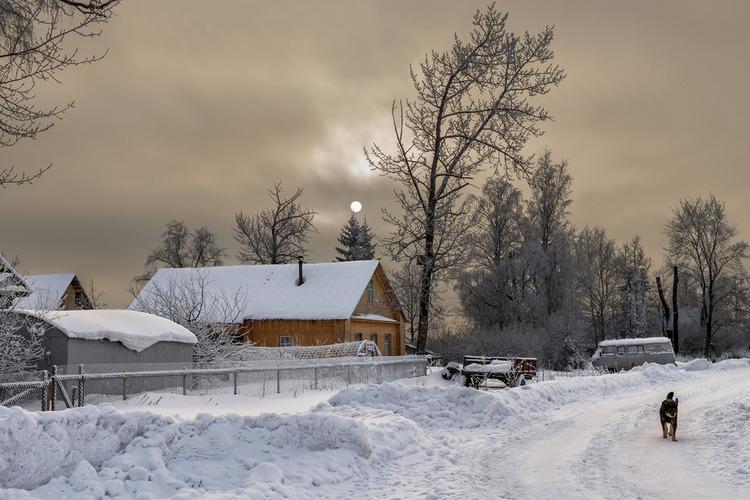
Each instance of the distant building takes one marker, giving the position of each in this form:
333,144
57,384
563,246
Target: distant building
55,292
295,304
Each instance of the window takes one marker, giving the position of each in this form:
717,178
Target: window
358,337
620,349
370,293
286,341
387,345
374,337
608,351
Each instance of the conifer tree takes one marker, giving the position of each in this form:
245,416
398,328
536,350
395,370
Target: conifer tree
356,241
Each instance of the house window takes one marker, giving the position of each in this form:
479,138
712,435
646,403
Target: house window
374,338
387,345
370,293
286,341
358,337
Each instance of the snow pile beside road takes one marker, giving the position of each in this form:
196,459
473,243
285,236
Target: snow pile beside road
727,449
91,452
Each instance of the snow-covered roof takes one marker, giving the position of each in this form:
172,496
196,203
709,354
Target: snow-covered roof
11,283
374,317
331,290
47,291
642,341
135,330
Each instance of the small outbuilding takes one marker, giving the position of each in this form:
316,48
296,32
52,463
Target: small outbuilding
108,337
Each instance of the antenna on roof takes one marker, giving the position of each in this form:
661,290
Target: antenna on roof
301,279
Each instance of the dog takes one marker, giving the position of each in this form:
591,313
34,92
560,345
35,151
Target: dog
668,417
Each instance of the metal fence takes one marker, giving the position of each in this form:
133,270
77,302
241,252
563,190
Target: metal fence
69,386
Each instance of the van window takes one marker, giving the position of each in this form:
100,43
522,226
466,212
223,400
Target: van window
635,349
659,347
620,349
608,351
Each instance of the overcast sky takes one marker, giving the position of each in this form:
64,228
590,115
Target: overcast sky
199,107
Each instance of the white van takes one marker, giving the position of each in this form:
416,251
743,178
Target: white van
624,354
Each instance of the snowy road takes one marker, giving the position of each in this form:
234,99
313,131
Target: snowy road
584,437
613,448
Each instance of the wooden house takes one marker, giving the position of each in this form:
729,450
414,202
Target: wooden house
295,304
54,292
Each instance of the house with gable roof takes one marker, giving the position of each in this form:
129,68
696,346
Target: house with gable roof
297,304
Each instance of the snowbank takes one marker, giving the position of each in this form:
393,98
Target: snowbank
496,366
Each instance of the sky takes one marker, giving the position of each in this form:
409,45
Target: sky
197,109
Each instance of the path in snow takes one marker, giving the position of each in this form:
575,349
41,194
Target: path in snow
613,448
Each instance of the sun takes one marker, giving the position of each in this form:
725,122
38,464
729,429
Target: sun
356,206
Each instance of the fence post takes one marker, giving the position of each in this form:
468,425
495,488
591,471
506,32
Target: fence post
81,385
124,386
234,382
45,388
315,376
53,388
278,380
348,375
184,383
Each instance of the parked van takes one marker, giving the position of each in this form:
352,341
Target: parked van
624,354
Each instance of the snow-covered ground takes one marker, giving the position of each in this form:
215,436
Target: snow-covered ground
584,437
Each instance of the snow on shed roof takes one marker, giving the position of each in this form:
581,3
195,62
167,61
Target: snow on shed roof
331,289
47,291
135,330
641,341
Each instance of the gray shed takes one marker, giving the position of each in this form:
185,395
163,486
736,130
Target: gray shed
110,337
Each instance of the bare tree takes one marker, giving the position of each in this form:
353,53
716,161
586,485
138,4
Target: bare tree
213,316
181,247
597,279
35,46
472,108
705,246
406,285
277,235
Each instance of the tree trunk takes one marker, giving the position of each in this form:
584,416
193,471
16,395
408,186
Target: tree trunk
425,285
709,306
675,312
665,330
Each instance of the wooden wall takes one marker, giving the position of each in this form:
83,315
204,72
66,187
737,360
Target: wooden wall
379,330
303,332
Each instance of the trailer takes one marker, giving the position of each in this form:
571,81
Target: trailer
510,371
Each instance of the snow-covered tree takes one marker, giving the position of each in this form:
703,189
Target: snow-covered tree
214,318
707,249
473,108
356,241
277,235
633,268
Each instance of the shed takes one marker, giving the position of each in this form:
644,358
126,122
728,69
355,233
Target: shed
111,337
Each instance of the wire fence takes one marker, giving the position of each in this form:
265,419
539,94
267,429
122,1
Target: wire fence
72,385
